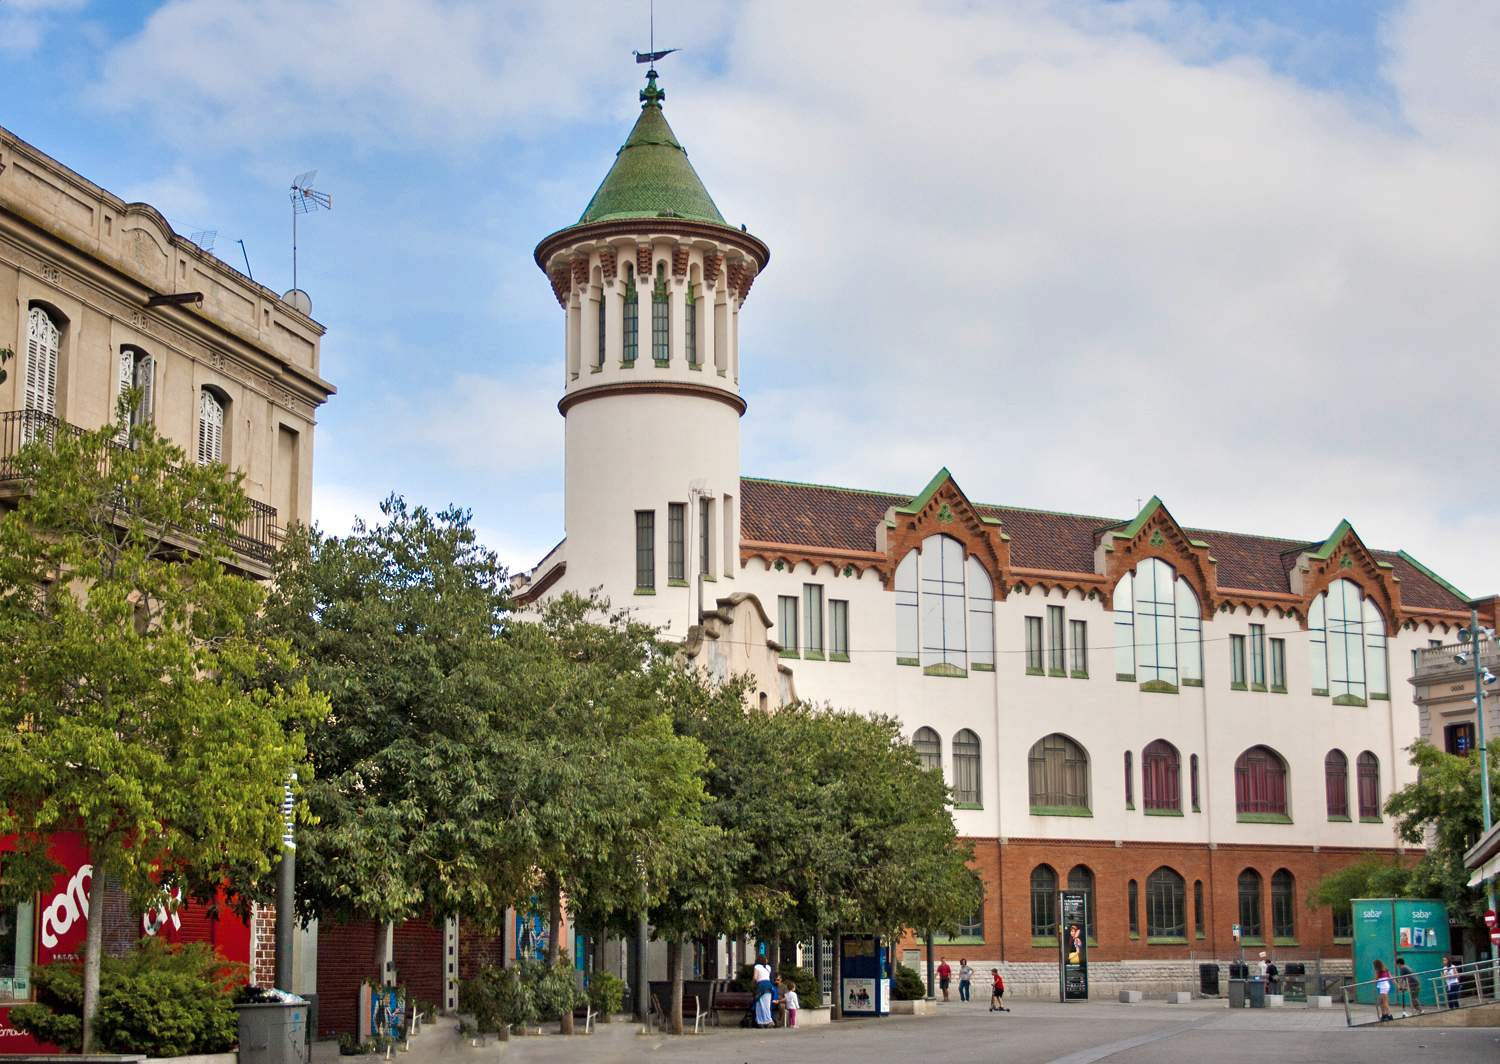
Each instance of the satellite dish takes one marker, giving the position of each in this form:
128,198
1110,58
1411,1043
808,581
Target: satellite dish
298,299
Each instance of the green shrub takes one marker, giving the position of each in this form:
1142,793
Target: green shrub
557,990
498,998
908,985
606,994
802,980
162,1000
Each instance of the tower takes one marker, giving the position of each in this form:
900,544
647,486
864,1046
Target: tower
651,279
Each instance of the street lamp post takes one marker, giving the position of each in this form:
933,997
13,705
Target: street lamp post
1475,633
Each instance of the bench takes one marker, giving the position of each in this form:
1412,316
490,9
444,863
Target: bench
698,1001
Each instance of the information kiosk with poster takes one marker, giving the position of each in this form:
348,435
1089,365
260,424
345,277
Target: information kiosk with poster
1415,930
1072,945
865,976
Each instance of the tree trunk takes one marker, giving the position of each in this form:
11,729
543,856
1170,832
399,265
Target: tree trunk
93,951
554,943
773,951
674,964
638,977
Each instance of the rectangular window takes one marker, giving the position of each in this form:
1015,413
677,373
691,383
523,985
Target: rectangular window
838,629
1458,739
786,623
812,598
1237,661
1198,907
1056,656
1033,644
603,303
690,326
1129,781
1078,647
676,541
661,327
16,944
631,324
645,550
1343,923
705,541
1278,665
1133,899
1258,655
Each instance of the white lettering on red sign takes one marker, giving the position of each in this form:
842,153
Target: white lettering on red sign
67,907
151,923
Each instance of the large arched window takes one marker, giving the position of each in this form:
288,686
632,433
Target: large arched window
945,610
1346,637
1043,902
1283,905
1161,777
966,768
1081,879
1059,775
1336,784
929,748
1260,783
1158,627
1249,889
1367,767
39,380
1166,907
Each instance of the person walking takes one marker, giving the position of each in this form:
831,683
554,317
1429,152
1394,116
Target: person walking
965,979
1450,980
1383,991
1411,986
997,991
945,975
764,992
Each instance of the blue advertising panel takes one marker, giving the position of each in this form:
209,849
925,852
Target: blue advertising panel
865,976
1386,928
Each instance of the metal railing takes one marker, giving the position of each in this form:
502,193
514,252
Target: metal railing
1476,986
1440,659
257,535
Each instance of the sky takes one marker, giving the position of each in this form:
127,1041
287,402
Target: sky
1240,255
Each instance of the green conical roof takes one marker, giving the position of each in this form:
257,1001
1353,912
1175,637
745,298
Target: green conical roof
651,176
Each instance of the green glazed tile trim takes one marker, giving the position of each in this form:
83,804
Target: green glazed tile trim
907,661
1166,940
1259,687
813,655
710,578
943,668
1078,675
1338,819
677,583
630,364
1263,818
1159,687
1043,943
838,657
980,667
1379,698
1279,941
1125,677
968,805
645,591
1163,812
1371,820
1429,574
1253,940
1278,690
959,940
1061,810
790,654
1349,700
662,363
1320,692
1192,683
1030,671
1238,687
1058,672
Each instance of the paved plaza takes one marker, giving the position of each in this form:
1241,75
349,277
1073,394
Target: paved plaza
1148,1033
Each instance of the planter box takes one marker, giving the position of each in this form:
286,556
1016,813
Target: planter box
1319,1001
913,1008
200,1058
1131,997
1275,1001
1179,997
819,1017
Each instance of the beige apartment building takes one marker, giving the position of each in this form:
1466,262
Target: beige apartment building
228,370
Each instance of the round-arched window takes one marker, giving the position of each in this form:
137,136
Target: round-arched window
1158,626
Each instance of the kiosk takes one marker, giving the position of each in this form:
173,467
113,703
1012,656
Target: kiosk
865,976
1387,928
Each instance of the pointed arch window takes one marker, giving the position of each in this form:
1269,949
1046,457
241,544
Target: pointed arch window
661,318
1081,879
966,790
603,307
690,326
1250,911
630,327
1283,905
1161,777
1059,775
1347,645
1367,768
1043,902
1158,627
1336,784
929,748
1166,909
210,427
39,398
1260,783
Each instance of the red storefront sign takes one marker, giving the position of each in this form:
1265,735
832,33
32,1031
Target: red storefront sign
61,923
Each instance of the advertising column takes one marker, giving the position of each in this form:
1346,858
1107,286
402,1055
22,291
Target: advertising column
1073,946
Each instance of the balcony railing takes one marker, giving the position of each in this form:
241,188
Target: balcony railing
256,536
1441,659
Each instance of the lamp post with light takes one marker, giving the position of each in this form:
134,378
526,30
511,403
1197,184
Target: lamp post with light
1483,677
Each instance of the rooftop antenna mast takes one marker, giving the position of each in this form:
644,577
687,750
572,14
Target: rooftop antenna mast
305,200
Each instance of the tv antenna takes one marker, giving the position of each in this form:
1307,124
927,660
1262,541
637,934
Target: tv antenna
305,200
204,238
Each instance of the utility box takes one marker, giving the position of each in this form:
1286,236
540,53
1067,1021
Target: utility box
1255,992
1386,928
1294,981
273,1032
1237,999
1208,980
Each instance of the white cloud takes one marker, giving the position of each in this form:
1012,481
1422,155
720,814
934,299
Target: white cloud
24,23
177,193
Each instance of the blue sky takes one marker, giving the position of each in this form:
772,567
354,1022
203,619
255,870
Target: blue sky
1241,255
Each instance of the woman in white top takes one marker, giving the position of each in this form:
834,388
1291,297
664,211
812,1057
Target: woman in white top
1383,991
1450,978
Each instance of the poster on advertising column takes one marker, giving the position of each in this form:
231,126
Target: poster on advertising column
1073,945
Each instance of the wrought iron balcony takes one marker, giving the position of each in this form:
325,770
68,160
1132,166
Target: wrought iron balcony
256,537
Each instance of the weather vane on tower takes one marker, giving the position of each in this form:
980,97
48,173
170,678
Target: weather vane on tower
651,94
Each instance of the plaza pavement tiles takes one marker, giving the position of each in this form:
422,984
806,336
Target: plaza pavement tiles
1035,1031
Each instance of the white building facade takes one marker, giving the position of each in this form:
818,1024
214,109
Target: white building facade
1193,726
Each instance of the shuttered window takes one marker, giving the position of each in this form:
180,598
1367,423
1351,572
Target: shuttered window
1336,783
1367,767
137,370
43,340
210,428
966,768
1059,773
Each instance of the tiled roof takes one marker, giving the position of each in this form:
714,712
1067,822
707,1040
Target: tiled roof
817,515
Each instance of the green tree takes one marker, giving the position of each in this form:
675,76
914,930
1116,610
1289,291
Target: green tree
128,711
1369,877
1445,800
399,623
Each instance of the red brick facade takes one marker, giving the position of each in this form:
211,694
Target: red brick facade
477,949
346,958
1007,870
419,960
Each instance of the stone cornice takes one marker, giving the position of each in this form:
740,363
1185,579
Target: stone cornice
650,387
633,228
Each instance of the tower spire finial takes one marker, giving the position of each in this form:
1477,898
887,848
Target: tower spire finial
651,95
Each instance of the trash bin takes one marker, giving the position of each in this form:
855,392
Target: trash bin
273,1032
1237,994
1208,980
1255,992
1294,982
1239,970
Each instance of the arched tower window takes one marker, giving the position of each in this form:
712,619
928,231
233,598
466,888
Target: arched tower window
1336,784
966,790
690,325
1059,774
1161,776
661,318
1346,640
630,327
1166,909
1260,782
603,307
1368,773
1043,902
929,748
1158,626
